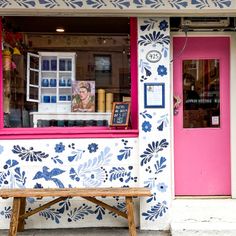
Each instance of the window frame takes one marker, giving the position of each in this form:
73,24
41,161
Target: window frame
80,132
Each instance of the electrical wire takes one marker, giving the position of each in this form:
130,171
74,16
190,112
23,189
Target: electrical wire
185,29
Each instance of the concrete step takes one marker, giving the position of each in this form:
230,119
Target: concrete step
203,217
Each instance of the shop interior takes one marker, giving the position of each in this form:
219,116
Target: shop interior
99,56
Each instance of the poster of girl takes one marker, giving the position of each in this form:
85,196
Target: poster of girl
83,96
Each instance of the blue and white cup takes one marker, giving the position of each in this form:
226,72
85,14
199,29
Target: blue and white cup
62,65
62,98
62,82
53,99
53,82
46,99
45,82
53,64
69,82
45,65
68,65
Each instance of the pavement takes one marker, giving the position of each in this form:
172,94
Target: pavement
190,217
203,217
86,232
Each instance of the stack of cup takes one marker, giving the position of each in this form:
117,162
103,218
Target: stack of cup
109,101
101,100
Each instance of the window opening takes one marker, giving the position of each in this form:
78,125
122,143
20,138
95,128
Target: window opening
65,79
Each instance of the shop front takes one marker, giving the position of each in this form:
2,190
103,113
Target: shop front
63,70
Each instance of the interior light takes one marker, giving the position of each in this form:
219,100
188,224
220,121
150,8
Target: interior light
60,30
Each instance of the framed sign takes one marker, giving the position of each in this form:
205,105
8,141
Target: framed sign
120,114
154,95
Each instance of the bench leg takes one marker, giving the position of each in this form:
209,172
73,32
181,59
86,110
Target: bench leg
130,214
21,224
15,216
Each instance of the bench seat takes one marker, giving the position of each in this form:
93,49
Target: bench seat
19,202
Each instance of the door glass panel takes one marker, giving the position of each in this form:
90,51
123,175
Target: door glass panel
201,93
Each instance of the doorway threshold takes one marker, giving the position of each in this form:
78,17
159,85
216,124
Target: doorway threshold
203,197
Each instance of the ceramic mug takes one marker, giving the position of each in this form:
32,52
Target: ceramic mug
62,98
53,99
62,65
53,64
69,82
45,65
53,82
68,65
45,82
62,82
46,99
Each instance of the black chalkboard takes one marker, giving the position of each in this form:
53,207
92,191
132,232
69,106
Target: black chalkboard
120,114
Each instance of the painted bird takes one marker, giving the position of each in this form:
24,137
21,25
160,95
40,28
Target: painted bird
48,175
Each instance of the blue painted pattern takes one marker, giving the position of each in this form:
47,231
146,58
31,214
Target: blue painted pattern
117,4
68,164
154,124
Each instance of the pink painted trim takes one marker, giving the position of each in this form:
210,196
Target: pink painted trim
55,133
1,80
86,132
134,71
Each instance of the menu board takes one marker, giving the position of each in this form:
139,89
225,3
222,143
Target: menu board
120,114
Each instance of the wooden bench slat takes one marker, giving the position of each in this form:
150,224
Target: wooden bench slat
75,192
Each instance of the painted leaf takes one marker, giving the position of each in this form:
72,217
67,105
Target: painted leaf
51,214
79,213
74,3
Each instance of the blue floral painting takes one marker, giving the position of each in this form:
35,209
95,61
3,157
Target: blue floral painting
154,151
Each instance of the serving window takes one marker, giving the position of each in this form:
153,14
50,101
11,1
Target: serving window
68,79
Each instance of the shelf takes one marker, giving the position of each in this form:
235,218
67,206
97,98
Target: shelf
48,71
48,87
70,116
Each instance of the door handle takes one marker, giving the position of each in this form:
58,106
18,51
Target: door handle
177,102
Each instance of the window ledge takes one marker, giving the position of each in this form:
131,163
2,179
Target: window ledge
55,133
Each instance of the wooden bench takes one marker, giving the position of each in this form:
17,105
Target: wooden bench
19,202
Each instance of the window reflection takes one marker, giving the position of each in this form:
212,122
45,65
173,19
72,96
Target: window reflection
201,93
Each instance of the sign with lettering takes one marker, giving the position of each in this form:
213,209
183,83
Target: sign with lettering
120,114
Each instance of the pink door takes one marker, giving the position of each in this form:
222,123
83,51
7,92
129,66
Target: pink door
201,120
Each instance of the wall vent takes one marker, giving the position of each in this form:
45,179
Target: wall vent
205,22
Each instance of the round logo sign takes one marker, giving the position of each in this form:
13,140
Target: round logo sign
153,56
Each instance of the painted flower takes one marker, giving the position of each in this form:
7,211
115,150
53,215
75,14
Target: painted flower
163,25
1,149
162,70
92,147
162,187
59,147
146,126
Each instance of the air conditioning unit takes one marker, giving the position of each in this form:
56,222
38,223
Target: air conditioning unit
205,22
